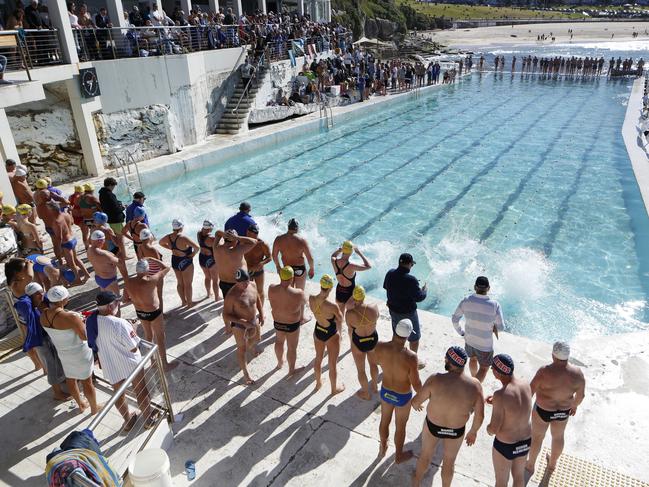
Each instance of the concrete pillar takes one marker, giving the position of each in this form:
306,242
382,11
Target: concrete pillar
261,5
237,9
82,109
58,14
214,5
7,151
116,13
300,7
186,6
327,10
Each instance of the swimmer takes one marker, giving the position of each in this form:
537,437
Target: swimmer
229,249
326,334
150,253
133,228
18,179
243,314
47,272
183,249
400,376
206,259
510,423
61,224
257,258
27,232
361,319
100,222
103,262
347,280
88,206
560,389
142,290
75,211
293,249
452,397
287,305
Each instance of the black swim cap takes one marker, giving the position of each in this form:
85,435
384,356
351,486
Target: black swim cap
242,275
457,356
293,224
504,364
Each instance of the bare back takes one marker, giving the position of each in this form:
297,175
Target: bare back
241,302
229,260
143,292
555,386
363,318
286,303
103,262
292,247
515,401
452,398
324,310
399,366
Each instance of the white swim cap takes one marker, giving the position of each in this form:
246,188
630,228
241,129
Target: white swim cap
20,171
142,266
208,224
97,235
404,328
561,350
57,294
177,224
145,234
33,288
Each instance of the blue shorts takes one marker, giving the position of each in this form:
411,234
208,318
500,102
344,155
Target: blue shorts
395,398
104,283
397,317
70,244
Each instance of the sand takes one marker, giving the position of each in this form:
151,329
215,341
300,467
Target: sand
615,32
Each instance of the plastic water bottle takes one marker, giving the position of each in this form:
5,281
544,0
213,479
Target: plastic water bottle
190,469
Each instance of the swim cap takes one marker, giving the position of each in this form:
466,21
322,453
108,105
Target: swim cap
232,232
503,363
293,224
347,247
326,282
8,210
142,266
242,275
99,217
457,356
33,288
78,188
24,209
88,187
21,171
139,212
97,235
68,275
404,328
359,293
177,224
253,229
208,224
145,234
57,294
286,273
41,184
561,350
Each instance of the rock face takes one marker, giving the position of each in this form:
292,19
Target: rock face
145,133
386,29
371,28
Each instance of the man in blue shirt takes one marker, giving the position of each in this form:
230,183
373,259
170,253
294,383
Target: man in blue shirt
241,221
403,295
138,201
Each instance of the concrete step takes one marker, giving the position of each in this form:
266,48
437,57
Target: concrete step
229,125
231,106
227,131
234,116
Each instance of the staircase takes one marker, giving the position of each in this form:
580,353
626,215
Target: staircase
234,117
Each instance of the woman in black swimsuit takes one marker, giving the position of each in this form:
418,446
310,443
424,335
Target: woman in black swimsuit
346,271
325,335
133,228
206,259
182,260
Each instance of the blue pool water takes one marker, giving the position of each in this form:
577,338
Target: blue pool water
522,179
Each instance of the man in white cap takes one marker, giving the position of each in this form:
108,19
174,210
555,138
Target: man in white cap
18,178
103,262
142,289
560,389
400,376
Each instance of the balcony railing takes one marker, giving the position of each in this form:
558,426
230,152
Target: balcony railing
27,49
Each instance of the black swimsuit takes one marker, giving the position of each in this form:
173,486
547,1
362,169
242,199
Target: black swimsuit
298,270
180,262
442,432
343,293
365,344
205,260
325,333
549,416
134,235
512,450
287,328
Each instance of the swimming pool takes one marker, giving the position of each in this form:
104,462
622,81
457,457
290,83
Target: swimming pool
524,180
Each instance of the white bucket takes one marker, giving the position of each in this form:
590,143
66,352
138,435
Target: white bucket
150,468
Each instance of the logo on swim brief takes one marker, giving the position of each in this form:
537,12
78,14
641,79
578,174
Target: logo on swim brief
447,432
559,415
520,449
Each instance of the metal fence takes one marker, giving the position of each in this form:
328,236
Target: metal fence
26,49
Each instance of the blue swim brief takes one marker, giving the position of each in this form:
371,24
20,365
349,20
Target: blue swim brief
70,244
395,398
104,283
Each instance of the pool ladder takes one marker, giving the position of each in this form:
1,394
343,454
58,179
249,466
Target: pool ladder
327,112
124,162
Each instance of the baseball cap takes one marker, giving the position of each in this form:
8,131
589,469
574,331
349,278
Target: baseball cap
142,266
286,273
100,217
359,293
177,224
145,234
482,282
208,224
406,258
97,235
503,363
457,356
57,294
21,171
293,224
242,275
33,288
139,211
106,297
326,282
404,328
561,350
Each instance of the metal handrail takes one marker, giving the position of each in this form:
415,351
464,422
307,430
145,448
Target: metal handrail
246,88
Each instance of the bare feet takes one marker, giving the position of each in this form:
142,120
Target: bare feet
249,381
550,467
170,366
83,406
61,397
191,305
129,423
383,448
363,394
280,364
337,390
97,409
404,456
296,370
318,385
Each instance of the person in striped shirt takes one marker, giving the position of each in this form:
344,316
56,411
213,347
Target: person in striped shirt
483,319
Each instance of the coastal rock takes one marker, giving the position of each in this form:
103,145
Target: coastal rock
8,245
274,113
371,28
386,29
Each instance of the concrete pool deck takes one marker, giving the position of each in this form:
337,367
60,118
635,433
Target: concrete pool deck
277,432
633,139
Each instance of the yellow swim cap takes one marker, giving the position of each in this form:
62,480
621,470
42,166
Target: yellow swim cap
347,247
41,184
78,188
24,209
326,282
88,187
286,273
8,210
359,293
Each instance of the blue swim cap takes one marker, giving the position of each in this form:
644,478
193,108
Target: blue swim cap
457,356
139,211
100,217
504,364
68,275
